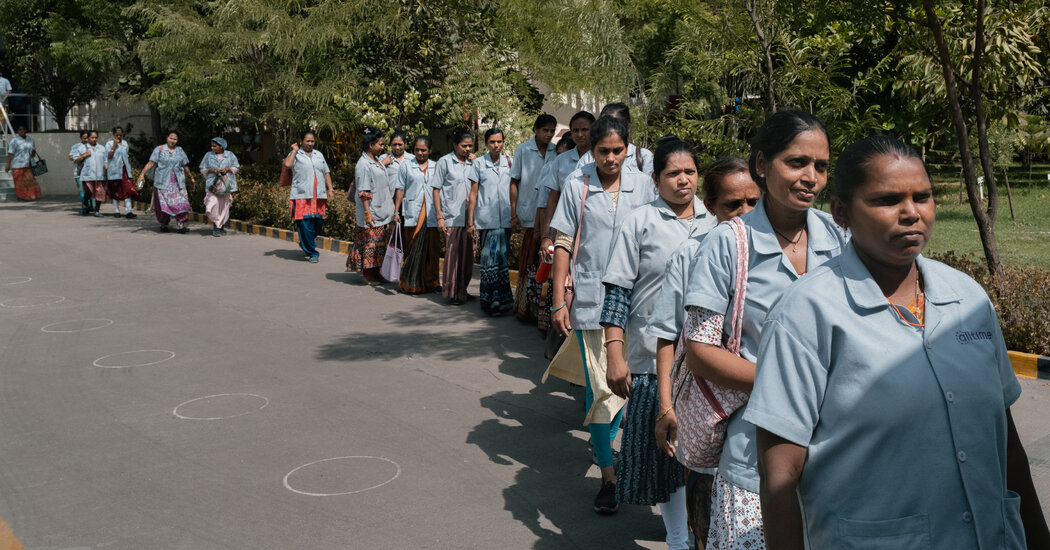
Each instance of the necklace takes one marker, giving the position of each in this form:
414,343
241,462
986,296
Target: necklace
794,243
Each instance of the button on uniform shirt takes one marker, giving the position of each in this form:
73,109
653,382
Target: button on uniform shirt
492,209
450,176
600,221
638,261
308,169
168,163
75,151
370,177
116,166
94,166
770,273
905,425
416,185
526,169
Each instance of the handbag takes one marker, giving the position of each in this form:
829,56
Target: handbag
701,407
286,176
555,339
395,253
39,166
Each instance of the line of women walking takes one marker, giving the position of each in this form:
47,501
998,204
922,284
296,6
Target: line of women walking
854,415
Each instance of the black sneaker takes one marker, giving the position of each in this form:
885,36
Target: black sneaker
117,214
215,232
130,215
222,230
164,229
605,503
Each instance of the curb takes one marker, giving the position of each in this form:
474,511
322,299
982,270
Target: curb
1030,365
324,243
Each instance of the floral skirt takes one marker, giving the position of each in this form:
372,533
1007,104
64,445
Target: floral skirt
496,296
172,201
527,293
369,248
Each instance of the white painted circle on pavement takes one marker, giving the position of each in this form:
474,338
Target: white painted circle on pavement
221,401
136,358
32,301
14,280
358,462
79,325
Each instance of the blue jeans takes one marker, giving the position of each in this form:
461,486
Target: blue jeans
308,228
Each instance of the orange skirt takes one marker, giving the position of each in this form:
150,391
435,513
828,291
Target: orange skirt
26,187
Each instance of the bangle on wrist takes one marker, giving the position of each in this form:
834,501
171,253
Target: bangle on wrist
553,309
610,340
663,414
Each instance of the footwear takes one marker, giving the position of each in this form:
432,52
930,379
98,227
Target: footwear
130,215
605,502
117,214
222,230
215,232
99,215
314,259
183,229
164,229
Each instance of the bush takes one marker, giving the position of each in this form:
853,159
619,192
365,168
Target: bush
1021,297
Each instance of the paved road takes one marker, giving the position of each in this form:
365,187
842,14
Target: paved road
259,374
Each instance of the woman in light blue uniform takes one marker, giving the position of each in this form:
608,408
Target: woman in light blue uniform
565,164
93,171
169,183
728,192
311,185
488,212
449,188
529,159
884,387
786,237
75,152
375,208
611,196
219,168
633,278
422,242
638,158
394,160
118,173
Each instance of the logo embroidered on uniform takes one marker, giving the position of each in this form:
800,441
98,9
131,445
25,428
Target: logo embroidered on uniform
966,336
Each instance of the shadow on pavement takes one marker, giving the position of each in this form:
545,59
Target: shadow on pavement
287,254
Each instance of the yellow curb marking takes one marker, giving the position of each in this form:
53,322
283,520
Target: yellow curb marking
1026,365
7,538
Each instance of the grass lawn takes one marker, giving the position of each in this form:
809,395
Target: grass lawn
1025,240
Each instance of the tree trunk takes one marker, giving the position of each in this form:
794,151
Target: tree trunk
763,42
1009,193
154,122
985,224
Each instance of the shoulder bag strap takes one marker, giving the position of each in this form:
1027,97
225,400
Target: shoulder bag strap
740,285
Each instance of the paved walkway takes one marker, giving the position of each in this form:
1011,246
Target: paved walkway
281,404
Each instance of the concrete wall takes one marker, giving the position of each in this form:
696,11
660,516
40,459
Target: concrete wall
54,148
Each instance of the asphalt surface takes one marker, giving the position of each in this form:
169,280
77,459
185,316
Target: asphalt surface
172,391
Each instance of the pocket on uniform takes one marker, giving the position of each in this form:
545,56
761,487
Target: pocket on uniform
907,533
1013,528
587,290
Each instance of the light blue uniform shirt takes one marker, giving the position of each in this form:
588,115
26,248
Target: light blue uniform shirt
600,221
211,161
526,169
492,209
905,426
115,166
630,162
668,316
394,167
306,170
94,166
565,164
22,149
770,273
370,176
450,176
638,260
416,185
168,163
75,151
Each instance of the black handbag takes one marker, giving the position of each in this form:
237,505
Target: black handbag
39,167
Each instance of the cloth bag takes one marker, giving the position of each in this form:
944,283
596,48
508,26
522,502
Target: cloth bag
39,166
286,176
703,408
395,254
567,366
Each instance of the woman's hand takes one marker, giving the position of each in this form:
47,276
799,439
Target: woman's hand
442,225
545,245
515,223
387,161
617,375
667,433
560,319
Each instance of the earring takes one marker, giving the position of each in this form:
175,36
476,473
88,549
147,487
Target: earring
761,176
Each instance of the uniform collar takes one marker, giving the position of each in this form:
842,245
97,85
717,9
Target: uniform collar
665,209
455,161
531,144
627,182
486,161
867,294
415,165
765,239
371,161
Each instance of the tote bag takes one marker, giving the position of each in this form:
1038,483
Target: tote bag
395,254
701,407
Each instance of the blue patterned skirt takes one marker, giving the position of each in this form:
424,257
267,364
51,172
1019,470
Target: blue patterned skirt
496,296
645,475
